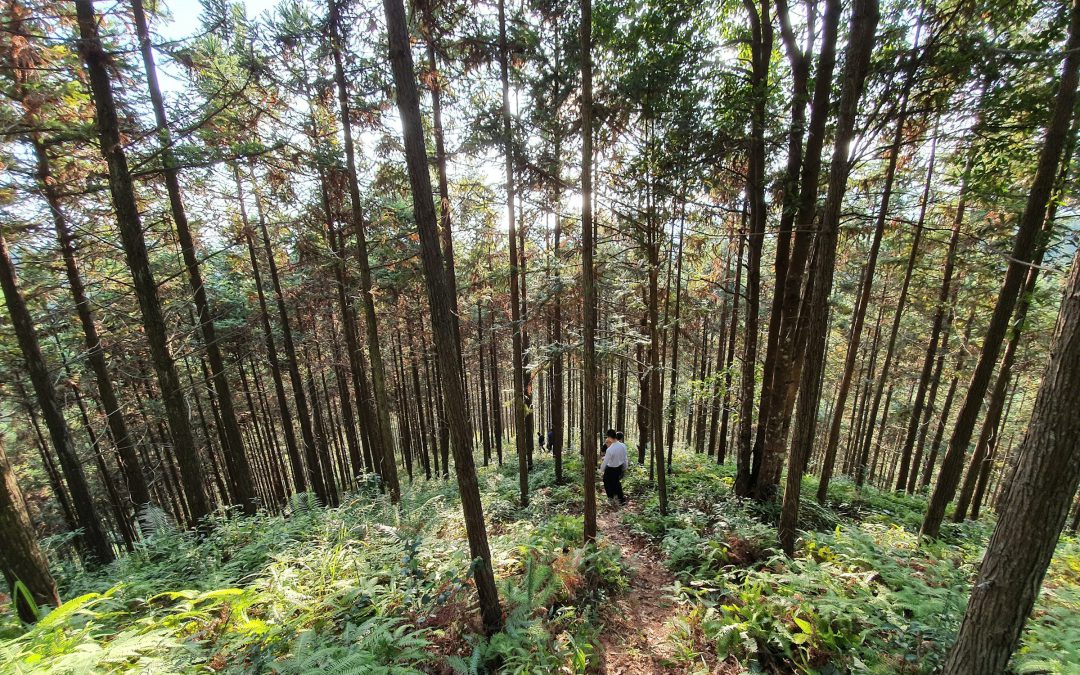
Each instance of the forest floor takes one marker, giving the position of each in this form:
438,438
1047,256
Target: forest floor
636,638
372,587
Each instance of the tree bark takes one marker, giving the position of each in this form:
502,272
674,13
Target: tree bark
441,303
384,435
863,300
21,558
284,414
1027,233
589,430
781,383
131,234
95,354
864,19
941,312
94,538
675,328
241,487
1038,498
518,376
761,53
901,304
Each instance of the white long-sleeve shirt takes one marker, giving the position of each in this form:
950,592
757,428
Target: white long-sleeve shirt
615,456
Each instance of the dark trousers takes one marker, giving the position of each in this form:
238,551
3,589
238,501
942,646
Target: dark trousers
613,483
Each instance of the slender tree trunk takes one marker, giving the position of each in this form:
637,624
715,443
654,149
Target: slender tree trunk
935,445
483,384
285,415
864,20
703,377
988,463
996,404
314,472
120,513
1027,233
644,376
496,395
131,234
675,327
941,314
931,401
556,440
901,304
589,427
863,300
441,303
383,434
518,376
95,355
55,482
781,382
95,540
736,294
241,487
656,389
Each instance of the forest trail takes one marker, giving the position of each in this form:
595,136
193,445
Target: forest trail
636,638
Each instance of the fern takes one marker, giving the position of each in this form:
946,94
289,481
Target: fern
303,505
154,521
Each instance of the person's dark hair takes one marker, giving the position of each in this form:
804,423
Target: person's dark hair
618,435
611,433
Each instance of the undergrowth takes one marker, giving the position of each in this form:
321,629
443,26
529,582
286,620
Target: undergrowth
367,587
862,593
370,587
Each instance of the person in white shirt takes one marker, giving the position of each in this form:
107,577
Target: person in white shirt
613,466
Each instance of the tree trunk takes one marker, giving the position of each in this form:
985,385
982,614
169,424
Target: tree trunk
931,460
781,382
241,487
996,404
761,53
733,329
675,328
131,234
485,431
901,304
589,430
855,338
383,435
942,313
314,472
864,21
1038,498
95,540
441,303
1023,250
138,490
284,414
518,376
21,559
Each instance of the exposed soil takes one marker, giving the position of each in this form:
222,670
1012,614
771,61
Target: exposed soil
637,624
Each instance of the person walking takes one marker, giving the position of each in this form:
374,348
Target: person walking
613,466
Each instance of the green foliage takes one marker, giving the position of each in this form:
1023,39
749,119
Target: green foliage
862,594
367,587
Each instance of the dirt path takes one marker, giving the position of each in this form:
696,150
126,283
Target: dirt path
637,624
